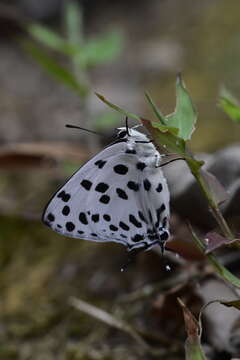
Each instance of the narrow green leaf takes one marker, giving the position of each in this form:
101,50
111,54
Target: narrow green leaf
101,49
184,116
161,124
51,39
117,108
155,109
221,270
53,68
194,351
73,22
229,104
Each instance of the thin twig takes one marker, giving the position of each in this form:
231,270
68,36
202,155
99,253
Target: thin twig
109,320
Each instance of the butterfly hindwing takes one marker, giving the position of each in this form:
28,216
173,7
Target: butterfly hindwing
115,196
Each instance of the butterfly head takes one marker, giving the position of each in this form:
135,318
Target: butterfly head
130,134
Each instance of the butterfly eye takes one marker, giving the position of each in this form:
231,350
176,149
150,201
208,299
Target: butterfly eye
122,134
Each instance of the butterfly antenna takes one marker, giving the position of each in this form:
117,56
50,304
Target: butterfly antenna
80,128
127,127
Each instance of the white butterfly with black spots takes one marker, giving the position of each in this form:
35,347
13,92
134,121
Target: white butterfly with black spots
119,195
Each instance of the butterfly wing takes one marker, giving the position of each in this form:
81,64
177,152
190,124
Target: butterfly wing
113,197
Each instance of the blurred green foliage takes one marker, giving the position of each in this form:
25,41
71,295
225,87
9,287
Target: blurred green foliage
78,54
82,52
229,104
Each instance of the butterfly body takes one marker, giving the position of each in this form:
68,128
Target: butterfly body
119,195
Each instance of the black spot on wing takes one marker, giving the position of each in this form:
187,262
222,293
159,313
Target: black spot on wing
80,232
164,222
159,211
137,238
64,196
150,216
102,187
120,169
66,210
95,218
130,151
141,165
151,231
93,234
159,187
134,221
113,227
100,163
123,226
86,184
70,226
142,217
83,219
133,185
50,217
122,194
104,199
59,226
153,237
147,184
107,217
123,236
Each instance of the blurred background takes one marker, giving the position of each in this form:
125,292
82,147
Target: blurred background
54,56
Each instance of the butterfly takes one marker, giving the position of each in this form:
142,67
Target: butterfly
119,195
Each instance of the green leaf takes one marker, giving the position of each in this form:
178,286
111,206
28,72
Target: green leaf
221,270
73,22
53,68
117,108
164,139
229,104
101,49
184,116
51,39
164,128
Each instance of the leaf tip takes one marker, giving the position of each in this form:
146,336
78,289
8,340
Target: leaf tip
101,97
179,79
